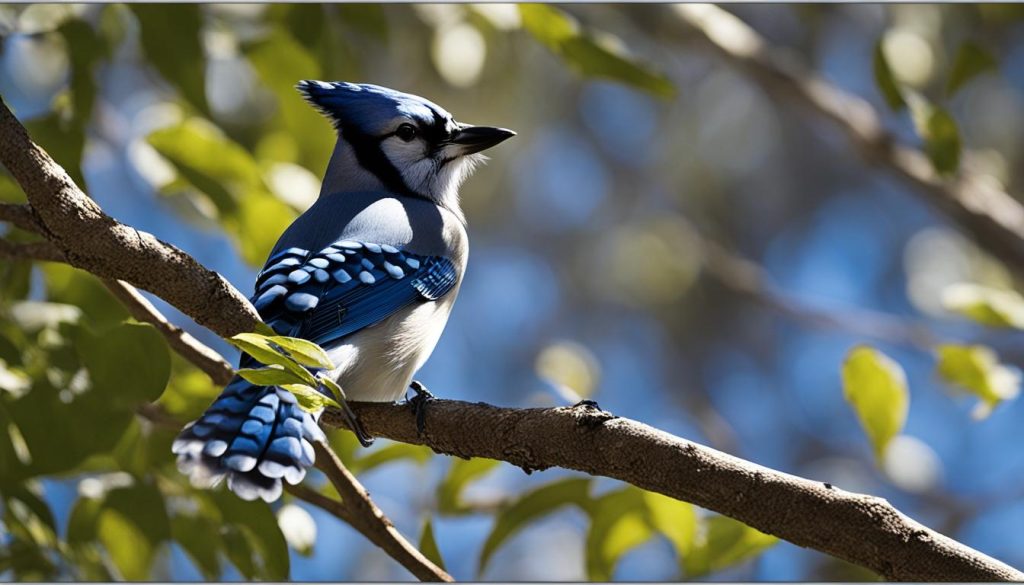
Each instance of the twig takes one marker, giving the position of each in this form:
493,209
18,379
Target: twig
861,529
30,251
20,215
201,355
357,509
992,217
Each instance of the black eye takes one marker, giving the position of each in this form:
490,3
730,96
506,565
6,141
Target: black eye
406,132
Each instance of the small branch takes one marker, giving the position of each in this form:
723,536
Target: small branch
861,529
21,215
93,241
991,216
195,351
357,509
30,251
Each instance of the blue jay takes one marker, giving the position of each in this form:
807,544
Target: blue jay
369,272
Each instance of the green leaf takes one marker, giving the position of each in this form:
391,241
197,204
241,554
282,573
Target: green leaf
129,364
254,541
976,370
939,132
886,81
971,60
310,399
272,375
65,284
676,520
988,306
876,388
85,50
428,545
532,506
618,524
460,474
201,541
593,54
266,352
394,452
131,526
303,351
171,41
723,543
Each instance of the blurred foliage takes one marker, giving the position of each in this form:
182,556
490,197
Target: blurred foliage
232,148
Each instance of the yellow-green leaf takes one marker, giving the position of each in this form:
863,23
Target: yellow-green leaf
618,524
988,306
976,370
971,60
272,375
876,388
428,544
303,351
310,399
676,520
532,506
594,54
460,474
263,350
722,543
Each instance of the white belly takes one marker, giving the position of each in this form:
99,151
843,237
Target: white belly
378,363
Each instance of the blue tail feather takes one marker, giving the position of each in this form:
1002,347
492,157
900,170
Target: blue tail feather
255,436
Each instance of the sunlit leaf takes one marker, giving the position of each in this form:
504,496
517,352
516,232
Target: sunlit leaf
676,520
988,306
571,368
131,525
971,60
618,523
876,388
310,399
460,474
592,53
265,351
428,544
272,375
303,351
532,506
170,36
886,81
722,543
976,370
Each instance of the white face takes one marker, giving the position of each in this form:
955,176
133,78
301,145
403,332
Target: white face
436,171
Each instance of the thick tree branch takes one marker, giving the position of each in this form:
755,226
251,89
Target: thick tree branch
859,528
20,215
993,218
357,509
93,241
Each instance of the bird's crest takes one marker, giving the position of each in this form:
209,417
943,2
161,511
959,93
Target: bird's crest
364,105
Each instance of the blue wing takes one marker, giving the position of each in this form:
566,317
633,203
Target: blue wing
328,295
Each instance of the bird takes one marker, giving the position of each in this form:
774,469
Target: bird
369,272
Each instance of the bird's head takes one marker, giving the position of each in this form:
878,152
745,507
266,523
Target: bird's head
410,144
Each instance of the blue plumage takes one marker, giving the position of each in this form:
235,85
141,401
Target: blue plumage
369,272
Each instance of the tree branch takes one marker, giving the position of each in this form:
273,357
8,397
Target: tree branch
859,528
20,215
357,509
30,251
93,241
992,217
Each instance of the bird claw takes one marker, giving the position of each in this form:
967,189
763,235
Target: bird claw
365,438
418,404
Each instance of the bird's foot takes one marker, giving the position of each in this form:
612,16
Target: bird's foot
418,404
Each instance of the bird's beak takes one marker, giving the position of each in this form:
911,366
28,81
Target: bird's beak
471,139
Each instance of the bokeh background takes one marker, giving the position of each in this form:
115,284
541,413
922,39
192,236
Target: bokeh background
590,273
